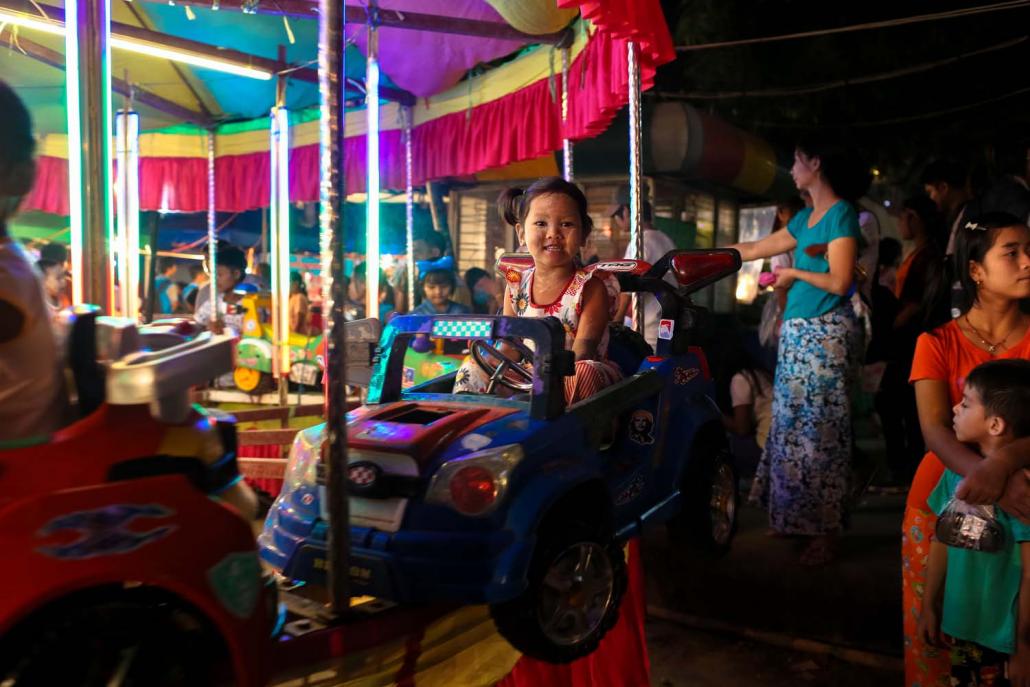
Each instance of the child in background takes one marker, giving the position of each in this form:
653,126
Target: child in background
231,269
32,398
750,397
437,289
979,599
198,280
55,279
550,217
483,287
300,305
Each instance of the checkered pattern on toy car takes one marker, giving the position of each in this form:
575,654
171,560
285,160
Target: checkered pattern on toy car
463,329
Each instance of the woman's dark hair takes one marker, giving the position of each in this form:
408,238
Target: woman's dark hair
513,205
440,277
840,163
473,275
975,237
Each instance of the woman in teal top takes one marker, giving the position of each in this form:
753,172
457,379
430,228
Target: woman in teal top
802,477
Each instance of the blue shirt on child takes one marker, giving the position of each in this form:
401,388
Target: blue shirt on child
981,590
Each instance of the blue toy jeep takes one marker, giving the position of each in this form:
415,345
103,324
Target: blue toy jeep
516,500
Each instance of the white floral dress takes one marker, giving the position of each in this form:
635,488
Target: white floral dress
591,375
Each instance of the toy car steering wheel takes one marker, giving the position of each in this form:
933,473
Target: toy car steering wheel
498,371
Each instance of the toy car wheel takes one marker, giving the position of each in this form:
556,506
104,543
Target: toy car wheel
251,381
711,500
576,582
114,642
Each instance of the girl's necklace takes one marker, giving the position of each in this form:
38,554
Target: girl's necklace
992,348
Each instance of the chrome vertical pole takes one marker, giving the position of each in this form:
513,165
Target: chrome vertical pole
372,262
566,143
127,216
331,24
635,173
212,239
409,204
88,84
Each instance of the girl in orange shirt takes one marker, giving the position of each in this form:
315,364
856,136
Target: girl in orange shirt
993,258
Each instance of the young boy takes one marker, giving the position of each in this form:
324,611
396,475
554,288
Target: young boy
231,268
55,278
437,288
32,399
979,599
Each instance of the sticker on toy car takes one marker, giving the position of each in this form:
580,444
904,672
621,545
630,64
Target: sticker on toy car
631,491
617,266
641,428
104,531
665,329
684,375
236,581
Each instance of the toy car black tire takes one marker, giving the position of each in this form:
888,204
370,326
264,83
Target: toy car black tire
519,621
710,477
86,642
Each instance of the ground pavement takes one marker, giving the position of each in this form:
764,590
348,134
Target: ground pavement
718,608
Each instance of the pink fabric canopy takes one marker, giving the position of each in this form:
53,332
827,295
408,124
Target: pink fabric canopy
520,126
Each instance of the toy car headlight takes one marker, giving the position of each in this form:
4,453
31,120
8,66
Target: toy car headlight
476,483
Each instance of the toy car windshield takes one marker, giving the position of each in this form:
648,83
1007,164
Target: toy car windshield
539,341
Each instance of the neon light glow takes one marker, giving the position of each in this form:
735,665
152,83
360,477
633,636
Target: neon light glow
372,141
279,212
463,329
71,80
127,127
135,45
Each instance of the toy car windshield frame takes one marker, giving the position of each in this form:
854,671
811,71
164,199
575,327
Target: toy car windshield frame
551,361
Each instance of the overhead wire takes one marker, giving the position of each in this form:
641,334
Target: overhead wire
899,120
886,23
838,83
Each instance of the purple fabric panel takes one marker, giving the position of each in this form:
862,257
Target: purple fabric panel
422,63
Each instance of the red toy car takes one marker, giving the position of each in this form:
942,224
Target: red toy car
121,536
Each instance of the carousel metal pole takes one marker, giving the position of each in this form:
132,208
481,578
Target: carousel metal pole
372,162
88,83
279,204
635,172
409,204
566,143
127,128
212,238
331,80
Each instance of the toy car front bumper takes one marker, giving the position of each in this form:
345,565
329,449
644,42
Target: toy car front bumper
423,567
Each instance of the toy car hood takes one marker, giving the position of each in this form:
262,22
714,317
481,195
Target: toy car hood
419,429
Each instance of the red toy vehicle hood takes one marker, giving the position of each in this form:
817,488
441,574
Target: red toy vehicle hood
420,430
